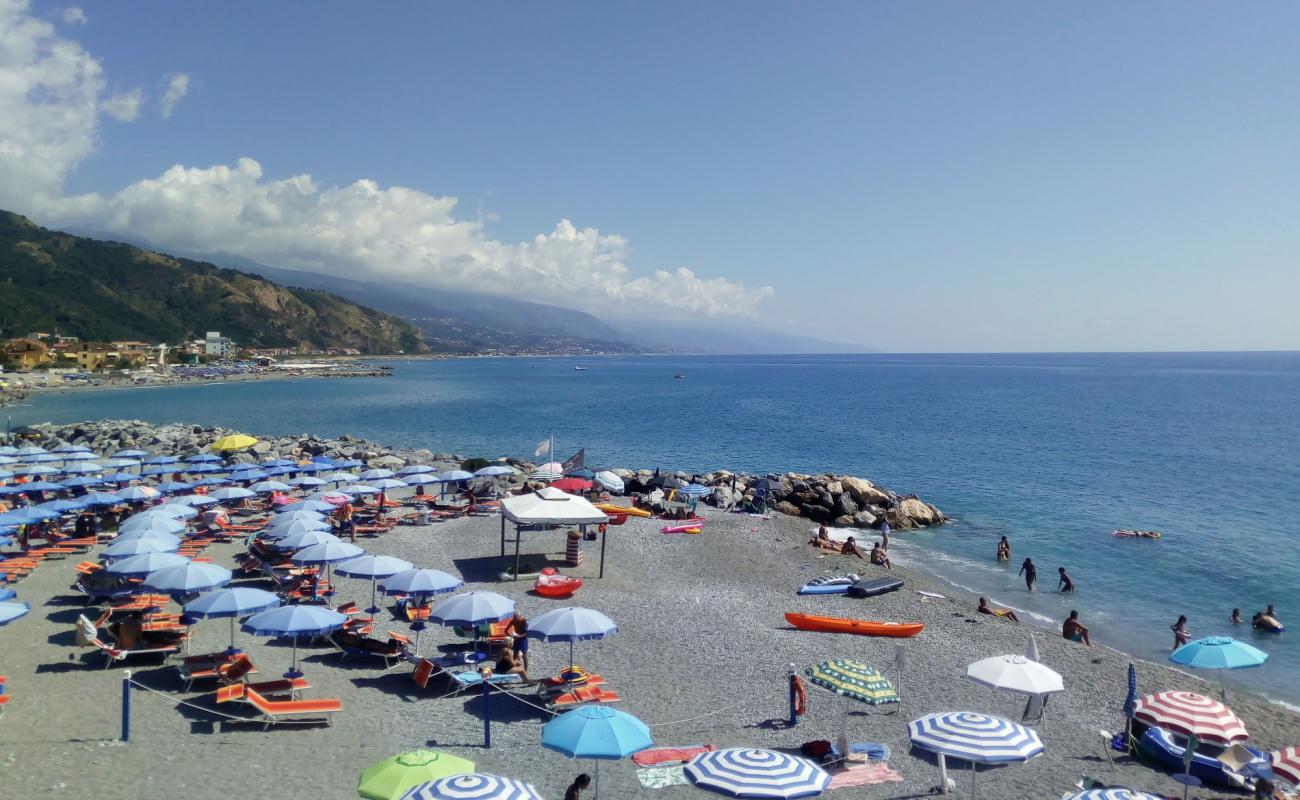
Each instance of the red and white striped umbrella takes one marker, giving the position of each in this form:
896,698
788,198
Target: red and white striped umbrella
1286,763
1188,713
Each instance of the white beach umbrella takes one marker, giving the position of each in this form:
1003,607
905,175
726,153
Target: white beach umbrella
1015,674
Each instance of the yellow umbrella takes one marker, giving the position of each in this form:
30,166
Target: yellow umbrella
235,441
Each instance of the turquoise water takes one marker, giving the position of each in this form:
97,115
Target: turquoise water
1054,451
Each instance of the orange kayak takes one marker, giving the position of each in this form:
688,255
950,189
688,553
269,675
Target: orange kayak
865,627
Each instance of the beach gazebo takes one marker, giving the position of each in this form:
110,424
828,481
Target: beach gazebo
547,507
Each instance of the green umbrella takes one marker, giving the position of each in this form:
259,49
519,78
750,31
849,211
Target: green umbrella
390,778
853,679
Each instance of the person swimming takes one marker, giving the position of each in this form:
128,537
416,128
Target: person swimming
1005,613
1235,619
1004,549
1074,630
1064,584
1030,572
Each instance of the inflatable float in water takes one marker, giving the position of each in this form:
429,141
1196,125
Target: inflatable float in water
1125,534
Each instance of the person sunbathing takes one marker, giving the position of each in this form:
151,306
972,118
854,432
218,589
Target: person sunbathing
823,540
850,547
880,558
1074,630
507,663
1005,613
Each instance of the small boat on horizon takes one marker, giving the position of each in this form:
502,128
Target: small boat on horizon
580,368
679,376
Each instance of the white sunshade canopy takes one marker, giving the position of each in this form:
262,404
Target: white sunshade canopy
551,506
1016,674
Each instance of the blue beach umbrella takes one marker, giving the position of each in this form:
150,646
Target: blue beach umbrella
348,463
62,506
193,501
977,738
283,527
474,786
307,480
294,621
161,460
152,523
139,546
82,481
43,458
494,471
157,471
340,477
571,625
130,454
118,463
141,533
82,468
596,732
203,458
359,488
202,469
30,450
271,471
145,563
102,500
233,603
138,494
188,578
279,462
473,608
374,568
452,476
1116,793
11,610
581,472
389,483
212,482
232,493
375,474
28,516
1221,653
79,455
5,475
266,487
174,511
694,490
420,583
749,772
310,466
416,469
44,486
289,516
327,552
71,448
309,505
300,539
120,477
37,470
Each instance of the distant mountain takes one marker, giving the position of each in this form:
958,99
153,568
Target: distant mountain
102,291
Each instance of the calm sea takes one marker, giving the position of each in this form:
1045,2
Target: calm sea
1054,451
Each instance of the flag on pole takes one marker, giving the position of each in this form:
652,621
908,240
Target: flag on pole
542,447
576,461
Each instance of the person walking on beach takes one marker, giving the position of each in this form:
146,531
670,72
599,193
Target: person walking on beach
1181,635
574,792
1074,630
1004,549
1030,572
518,629
1065,584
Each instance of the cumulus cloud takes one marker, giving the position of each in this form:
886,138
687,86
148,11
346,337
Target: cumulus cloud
178,85
52,94
73,15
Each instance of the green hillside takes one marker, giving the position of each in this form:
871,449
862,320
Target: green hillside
104,291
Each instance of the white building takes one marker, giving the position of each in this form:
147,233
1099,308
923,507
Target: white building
214,344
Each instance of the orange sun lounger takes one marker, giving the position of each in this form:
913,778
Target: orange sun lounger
276,711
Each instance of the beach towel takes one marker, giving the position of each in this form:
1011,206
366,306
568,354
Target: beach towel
864,775
661,777
657,756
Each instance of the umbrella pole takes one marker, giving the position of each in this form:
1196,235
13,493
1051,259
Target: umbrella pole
570,655
374,609
972,781
232,634
943,774
596,792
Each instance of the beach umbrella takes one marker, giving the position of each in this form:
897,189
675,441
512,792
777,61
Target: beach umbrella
102,499
549,471
494,471
193,501
694,490
374,568
596,732
340,477
232,493
750,772
853,679
119,477
172,511
581,472
27,516
138,494
417,469
11,610
272,471
203,458
83,481
308,466
151,523
174,486
141,533
71,448
571,625
280,528
119,463
145,563
5,475
139,546
243,468
266,487
349,463
1286,762
450,476
571,485
392,778
375,474
203,469
389,483
82,468
39,469
212,482
326,552
232,603
307,480
79,455
188,578
43,486
474,786
1015,674
294,621
1191,715
299,539
359,488
309,505
1221,653
161,460
30,450
152,471
235,441
977,738
420,582
130,454
667,482
1115,793
43,458
473,608
250,475
62,506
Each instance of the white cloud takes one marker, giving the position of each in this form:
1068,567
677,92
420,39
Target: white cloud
124,106
178,85
72,15
52,93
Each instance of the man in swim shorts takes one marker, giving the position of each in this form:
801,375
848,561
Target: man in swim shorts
851,548
1005,613
1074,630
880,557
1065,584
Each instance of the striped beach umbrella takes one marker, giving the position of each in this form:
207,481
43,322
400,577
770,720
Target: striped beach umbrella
747,772
853,679
1286,762
1117,793
1191,715
475,786
980,738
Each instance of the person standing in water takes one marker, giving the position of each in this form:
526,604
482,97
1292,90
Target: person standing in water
1181,635
1030,572
1004,549
1064,584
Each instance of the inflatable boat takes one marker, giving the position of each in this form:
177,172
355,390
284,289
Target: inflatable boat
552,584
1166,750
829,584
863,627
875,586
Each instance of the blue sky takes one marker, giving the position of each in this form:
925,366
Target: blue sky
924,177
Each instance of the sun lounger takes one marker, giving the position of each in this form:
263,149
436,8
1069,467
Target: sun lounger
470,679
229,672
275,711
583,695
283,687
353,644
113,654
87,567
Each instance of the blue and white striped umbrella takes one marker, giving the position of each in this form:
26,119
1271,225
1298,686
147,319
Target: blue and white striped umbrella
748,772
1118,793
975,737
475,786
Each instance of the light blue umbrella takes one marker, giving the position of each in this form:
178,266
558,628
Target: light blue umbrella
389,483
290,527
202,469
188,578
158,471
30,450
175,511
290,516
232,493
153,523
266,487
212,482
71,448
43,458
203,458
375,474
473,608
302,538
571,625
421,582
82,468
102,499
12,610
144,533
120,477
145,563
161,460
327,552
62,506
130,454
307,480
494,471
359,488
43,486
473,786
374,568
279,462
118,463
174,486
309,505
138,494
596,732
455,475
5,475
749,772
38,470
294,621
340,477
232,603
79,455
140,546
416,469
1221,653
193,501
27,516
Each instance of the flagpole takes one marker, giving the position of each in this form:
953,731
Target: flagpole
552,458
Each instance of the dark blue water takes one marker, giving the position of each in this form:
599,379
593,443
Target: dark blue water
1054,451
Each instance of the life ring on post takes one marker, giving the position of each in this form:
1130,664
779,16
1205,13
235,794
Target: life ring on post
601,528
800,695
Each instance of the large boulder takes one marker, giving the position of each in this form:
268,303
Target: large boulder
863,491
843,522
864,519
914,513
845,505
788,508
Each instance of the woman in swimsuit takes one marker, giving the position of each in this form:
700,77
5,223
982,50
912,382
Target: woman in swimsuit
1030,572
1004,549
1181,635
506,664
1005,613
